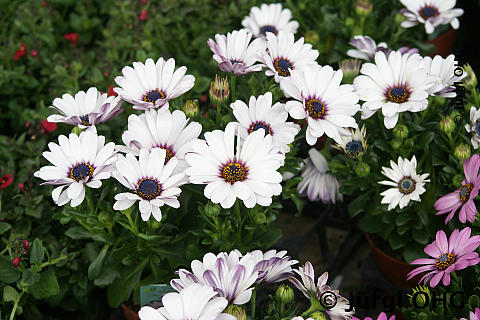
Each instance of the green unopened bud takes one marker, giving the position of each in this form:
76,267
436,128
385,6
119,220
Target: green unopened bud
470,80
76,130
447,125
400,131
312,37
422,296
318,315
350,69
462,152
357,30
474,301
454,114
457,180
284,294
212,209
191,108
422,316
154,223
236,311
396,143
219,90
363,7
362,169
260,218
399,18
349,22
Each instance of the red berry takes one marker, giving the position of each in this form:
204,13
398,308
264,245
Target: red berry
203,98
34,53
143,15
16,261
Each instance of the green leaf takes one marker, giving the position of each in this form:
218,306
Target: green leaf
29,278
4,227
122,287
396,241
371,224
413,251
78,232
38,252
358,205
10,294
46,286
8,273
95,268
425,139
402,219
421,236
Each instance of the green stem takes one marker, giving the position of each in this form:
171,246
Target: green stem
15,306
232,86
252,302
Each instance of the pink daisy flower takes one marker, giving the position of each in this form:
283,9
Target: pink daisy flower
455,254
463,197
473,316
381,316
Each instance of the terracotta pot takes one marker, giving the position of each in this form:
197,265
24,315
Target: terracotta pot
129,313
394,270
444,43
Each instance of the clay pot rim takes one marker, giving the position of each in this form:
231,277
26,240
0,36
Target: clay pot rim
370,242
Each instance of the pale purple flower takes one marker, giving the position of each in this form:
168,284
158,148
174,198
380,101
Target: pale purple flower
301,318
462,198
455,254
235,53
444,71
365,47
231,275
321,291
381,316
273,266
474,126
473,316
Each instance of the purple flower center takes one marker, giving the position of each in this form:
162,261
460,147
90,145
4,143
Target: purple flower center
235,61
282,65
477,128
153,96
316,108
268,28
428,12
149,189
233,172
398,94
260,125
354,146
406,185
445,261
85,120
81,171
464,192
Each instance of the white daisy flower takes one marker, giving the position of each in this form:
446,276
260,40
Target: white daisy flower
269,18
77,161
355,144
151,180
443,70
407,184
231,275
285,54
261,114
328,106
272,266
397,84
316,183
152,85
235,53
365,47
301,318
474,128
171,131
196,302
322,292
250,174
86,109
432,13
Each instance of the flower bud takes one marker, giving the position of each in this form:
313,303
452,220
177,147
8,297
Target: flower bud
236,311
457,180
447,125
349,22
362,169
363,7
16,261
318,315
312,37
470,80
396,143
26,244
191,108
219,90
212,209
284,294
400,131
462,152
350,69
399,18
422,296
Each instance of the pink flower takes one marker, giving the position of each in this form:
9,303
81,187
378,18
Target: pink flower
473,316
455,254
5,181
463,197
111,92
143,1
72,37
48,127
381,316
34,53
22,51
16,261
143,15
21,186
